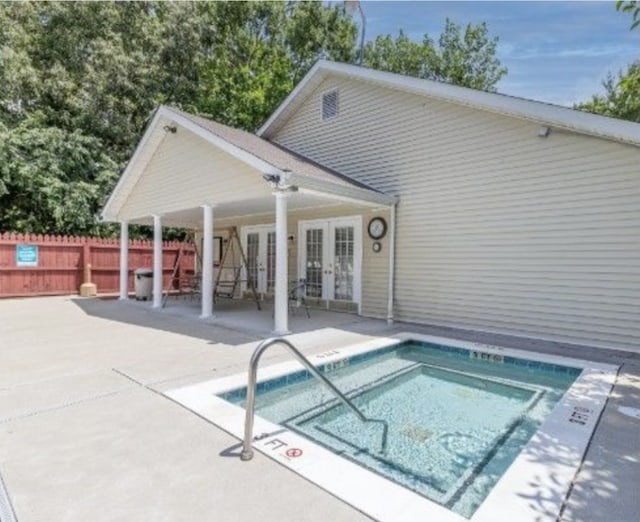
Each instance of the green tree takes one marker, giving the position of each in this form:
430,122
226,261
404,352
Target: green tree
77,89
260,50
621,98
466,58
18,75
51,180
80,81
633,8
90,74
622,94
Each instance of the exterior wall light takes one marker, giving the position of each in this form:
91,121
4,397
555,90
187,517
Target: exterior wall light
272,179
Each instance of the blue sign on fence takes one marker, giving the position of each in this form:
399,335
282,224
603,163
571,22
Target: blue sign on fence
27,255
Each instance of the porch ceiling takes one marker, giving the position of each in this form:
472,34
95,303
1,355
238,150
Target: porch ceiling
192,217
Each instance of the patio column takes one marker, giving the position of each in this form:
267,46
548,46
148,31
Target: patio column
280,307
157,261
124,260
207,262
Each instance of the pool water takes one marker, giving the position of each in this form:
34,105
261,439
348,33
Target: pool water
456,419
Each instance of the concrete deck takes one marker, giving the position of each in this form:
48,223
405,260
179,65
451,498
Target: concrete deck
85,433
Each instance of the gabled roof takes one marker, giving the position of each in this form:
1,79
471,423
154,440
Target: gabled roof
274,154
535,111
259,153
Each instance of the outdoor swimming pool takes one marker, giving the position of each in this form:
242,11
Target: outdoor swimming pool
474,431
457,418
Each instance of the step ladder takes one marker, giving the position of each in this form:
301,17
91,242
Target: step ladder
231,254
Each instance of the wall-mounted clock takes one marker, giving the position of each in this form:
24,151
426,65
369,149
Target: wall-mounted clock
377,228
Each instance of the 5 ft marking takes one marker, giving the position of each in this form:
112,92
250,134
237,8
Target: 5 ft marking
276,444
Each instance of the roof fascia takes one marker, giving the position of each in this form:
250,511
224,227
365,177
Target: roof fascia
530,110
351,194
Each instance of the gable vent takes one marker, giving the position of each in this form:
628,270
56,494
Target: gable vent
330,104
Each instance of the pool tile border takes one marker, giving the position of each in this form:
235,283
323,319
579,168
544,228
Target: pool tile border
541,466
303,375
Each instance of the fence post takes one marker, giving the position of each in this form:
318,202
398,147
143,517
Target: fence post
180,266
86,259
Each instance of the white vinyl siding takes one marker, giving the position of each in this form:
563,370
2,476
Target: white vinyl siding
181,175
497,228
375,276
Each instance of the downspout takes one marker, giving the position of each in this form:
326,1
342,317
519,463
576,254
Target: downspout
392,260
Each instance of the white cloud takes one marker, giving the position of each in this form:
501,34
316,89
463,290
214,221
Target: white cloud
592,51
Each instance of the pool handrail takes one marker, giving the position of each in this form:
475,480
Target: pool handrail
247,450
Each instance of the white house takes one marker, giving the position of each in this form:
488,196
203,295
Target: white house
410,199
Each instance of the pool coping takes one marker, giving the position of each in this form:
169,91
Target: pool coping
534,487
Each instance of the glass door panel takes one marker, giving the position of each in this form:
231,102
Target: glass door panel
253,258
271,263
314,262
343,262
259,243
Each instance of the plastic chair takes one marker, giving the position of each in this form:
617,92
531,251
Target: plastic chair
297,293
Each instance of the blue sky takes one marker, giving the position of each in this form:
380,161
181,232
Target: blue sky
555,51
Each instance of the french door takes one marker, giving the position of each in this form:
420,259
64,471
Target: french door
259,244
330,258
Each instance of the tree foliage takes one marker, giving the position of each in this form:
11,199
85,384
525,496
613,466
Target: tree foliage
465,58
260,50
633,8
621,98
80,81
51,179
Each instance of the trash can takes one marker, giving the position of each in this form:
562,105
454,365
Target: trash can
143,283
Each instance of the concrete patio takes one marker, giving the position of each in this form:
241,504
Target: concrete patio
86,434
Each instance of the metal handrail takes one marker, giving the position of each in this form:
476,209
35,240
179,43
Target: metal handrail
247,450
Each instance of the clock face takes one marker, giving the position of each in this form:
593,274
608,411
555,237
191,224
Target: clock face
377,228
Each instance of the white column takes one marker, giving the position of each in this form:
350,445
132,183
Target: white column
124,260
157,262
280,310
207,262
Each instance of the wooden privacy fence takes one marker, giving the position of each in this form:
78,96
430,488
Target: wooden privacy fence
33,264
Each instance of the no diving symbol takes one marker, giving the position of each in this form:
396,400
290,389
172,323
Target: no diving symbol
293,452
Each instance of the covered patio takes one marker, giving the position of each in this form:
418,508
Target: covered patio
242,315
192,173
